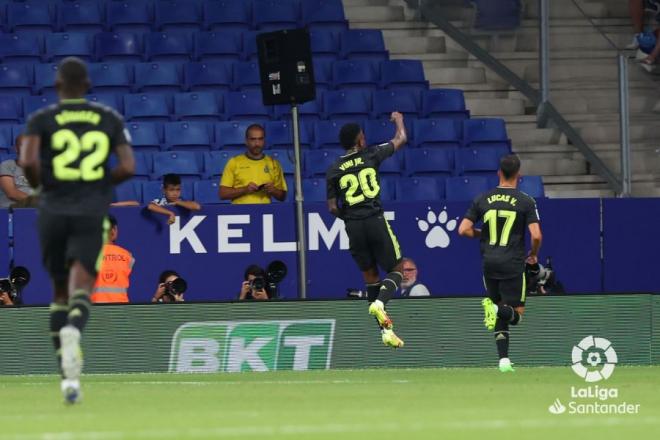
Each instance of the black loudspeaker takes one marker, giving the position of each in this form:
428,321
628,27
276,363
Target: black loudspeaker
285,66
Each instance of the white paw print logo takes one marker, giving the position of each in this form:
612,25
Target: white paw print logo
437,235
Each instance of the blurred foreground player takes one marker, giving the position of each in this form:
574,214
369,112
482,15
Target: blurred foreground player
353,186
65,153
505,212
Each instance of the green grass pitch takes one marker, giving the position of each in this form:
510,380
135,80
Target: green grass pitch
397,404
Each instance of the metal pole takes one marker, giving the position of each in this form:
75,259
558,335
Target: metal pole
544,61
300,214
624,127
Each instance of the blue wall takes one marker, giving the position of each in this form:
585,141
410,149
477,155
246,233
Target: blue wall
217,243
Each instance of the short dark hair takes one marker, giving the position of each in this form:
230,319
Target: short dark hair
166,274
509,165
254,127
72,72
171,179
255,270
113,220
348,135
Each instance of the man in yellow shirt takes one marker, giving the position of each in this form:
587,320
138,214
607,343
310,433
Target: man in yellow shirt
253,177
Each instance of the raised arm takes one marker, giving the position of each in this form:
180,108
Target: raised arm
400,137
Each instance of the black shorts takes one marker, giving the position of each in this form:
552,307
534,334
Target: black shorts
511,291
65,238
372,243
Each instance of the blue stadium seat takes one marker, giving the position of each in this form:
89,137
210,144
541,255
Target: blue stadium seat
154,190
363,44
227,15
433,161
309,112
273,15
444,103
466,188
393,165
403,74
380,131
286,160
443,133
177,15
532,186
143,166
486,132
145,136
110,77
206,192
15,80
185,163
147,107
112,100
250,45
388,187
231,135
80,16
326,134
44,78
497,15
61,45
217,45
208,76
129,16
480,161
6,141
215,162
118,47
324,44
188,136
279,134
291,188
10,110
17,130
347,104
130,190
324,14
350,74
317,162
314,190
197,106
246,105
420,189
20,48
34,103
246,76
322,74
168,46
403,101
29,16
158,77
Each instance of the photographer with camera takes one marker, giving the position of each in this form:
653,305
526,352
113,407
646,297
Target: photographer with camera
11,287
171,288
260,284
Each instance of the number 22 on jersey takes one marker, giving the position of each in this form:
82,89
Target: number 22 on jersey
71,146
491,217
365,180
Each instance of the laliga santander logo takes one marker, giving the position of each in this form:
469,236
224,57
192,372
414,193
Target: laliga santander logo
595,352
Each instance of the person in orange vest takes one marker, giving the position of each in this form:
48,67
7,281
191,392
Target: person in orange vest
116,266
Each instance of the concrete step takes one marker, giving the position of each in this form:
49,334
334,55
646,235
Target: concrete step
455,76
609,132
573,192
533,136
495,107
362,14
565,9
592,72
410,46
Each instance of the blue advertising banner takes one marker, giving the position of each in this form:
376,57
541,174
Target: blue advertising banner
211,248
4,242
631,242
